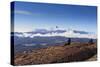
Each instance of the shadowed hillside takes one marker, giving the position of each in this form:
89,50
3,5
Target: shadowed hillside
57,54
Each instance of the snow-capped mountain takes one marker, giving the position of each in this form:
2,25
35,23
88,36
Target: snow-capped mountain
41,38
58,32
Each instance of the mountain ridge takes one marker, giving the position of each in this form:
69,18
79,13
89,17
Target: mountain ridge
57,54
58,32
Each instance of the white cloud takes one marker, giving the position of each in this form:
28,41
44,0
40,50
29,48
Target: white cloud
65,34
22,12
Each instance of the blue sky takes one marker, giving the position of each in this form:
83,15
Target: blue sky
29,16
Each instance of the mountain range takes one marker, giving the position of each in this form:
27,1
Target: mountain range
57,32
42,38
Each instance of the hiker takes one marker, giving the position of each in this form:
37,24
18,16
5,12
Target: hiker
90,41
68,42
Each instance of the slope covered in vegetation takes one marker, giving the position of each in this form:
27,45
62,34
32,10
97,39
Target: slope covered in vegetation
57,54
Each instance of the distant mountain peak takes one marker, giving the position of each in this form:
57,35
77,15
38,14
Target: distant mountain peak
57,32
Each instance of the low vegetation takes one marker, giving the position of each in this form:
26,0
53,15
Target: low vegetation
57,54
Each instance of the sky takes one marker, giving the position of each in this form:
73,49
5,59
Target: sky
30,16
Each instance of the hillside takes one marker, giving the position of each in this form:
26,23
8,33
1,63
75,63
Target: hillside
57,54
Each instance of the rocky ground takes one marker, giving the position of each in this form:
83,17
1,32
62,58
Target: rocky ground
57,54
